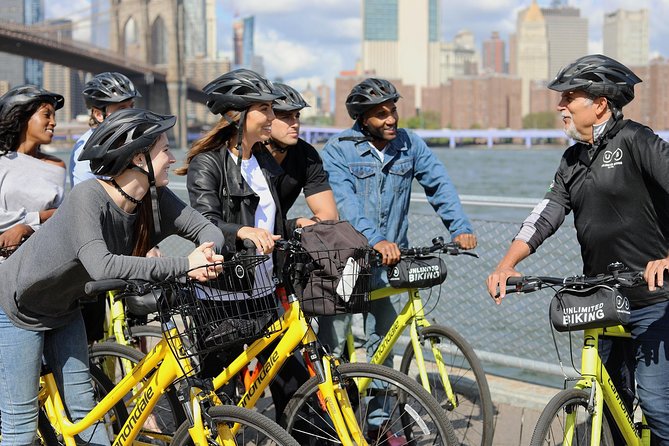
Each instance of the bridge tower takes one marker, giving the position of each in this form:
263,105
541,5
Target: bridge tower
153,31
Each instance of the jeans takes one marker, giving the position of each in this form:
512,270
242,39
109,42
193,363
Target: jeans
66,352
650,332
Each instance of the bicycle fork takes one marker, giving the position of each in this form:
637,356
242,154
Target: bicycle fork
417,342
333,397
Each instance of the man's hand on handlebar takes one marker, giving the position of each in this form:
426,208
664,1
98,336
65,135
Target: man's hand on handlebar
389,251
654,273
466,241
497,282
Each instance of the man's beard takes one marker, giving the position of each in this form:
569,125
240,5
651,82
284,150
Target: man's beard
572,133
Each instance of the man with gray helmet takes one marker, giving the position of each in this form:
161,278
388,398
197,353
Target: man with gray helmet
105,94
302,166
615,179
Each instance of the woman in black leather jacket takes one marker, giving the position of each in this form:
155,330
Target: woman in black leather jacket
231,180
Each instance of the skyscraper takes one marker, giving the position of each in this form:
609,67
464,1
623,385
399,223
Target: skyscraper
567,34
64,80
100,19
195,29
244,52
401,40
494,54
15,69
531,51
626,36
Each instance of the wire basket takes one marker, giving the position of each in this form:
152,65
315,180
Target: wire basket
333,281
237,307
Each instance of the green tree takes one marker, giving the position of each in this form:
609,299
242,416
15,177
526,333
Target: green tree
540,120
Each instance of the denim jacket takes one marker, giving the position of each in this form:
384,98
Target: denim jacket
374,194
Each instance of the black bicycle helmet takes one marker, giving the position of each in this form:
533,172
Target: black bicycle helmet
108,88
291,100
26,94
238,90
368,94
120,137
599,76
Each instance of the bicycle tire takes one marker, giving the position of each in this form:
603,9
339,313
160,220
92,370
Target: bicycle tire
145,337
473,418
268,433
550,425
168,413
304,419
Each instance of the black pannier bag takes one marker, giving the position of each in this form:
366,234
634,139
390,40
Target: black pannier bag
417,272
337,270
602,306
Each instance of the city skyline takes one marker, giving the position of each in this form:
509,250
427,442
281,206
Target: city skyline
311,42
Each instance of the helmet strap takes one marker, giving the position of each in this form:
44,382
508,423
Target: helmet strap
152,190
240,149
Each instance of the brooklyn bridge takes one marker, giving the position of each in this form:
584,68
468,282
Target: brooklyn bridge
153,58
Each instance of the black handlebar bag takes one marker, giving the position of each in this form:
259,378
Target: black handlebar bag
417,272
602,306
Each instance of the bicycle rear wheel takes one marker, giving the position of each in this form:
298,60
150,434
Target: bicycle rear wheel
168,413
472,416
256,429
393,409
568,411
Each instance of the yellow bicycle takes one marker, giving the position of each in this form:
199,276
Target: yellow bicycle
172,363
438,356
328,408
575,416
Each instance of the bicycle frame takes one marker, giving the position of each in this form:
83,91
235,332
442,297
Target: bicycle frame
161,367
296,331
412,316
596,378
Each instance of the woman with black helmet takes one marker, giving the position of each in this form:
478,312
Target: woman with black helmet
302,166
232,182
27,120
102,230
104,94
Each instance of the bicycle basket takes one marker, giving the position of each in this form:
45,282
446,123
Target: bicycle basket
216,314
333,281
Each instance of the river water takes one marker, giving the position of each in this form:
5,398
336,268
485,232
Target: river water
502,171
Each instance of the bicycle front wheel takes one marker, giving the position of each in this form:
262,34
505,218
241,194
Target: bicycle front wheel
472,414
393,409
113,359
567,420
255,429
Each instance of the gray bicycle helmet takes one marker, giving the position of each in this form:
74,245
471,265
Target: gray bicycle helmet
108,88
599,76
291,100
26,94
120,137
238,90
368,94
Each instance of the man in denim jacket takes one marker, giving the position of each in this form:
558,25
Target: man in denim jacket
371,167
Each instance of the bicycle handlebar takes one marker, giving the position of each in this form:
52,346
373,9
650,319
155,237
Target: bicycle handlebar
528,284
450,248
102,286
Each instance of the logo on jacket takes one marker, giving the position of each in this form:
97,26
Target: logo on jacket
612,158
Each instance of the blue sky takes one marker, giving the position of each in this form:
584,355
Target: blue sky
313,40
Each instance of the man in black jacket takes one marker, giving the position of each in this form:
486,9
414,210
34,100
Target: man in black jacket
616,180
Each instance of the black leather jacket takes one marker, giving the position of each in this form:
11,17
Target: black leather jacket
217,190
